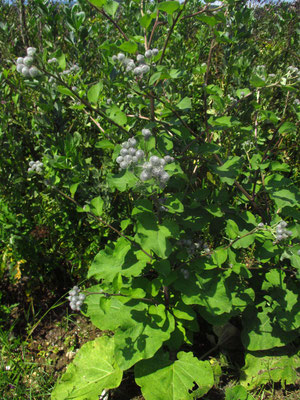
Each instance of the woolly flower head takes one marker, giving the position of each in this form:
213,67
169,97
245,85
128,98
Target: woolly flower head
151,53
35,166
131,157
146,133
25,64
31,51
281,232
76,298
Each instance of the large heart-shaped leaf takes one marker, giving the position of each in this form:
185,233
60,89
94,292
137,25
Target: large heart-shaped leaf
162,379
143,335
93,370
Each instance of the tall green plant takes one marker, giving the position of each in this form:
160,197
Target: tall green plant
191,174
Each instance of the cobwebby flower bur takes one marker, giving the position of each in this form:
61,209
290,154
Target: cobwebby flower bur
152,166
35,166
281,232
76,298
138,67
25,64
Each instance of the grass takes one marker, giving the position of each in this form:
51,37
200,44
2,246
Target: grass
20,376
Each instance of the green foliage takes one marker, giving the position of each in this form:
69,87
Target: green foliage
209,237
92,370
161,378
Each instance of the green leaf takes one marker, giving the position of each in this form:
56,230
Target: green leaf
129,47
207,148
224,121
218,295
162,379
98,3
154,78
116,115
185,104
94,92
288,317
73,189
151,235
214,89
260,332
280,166
219,256
109,313
96,206
260,369
143,336
104,144
64,90
288,127
209,20
145,21
122,181
245,242
256,81
61,59
93,370
118,258
208,290
214,210
238,393
232,230
174,204
111,7
255,161
168,6
286,197
230,170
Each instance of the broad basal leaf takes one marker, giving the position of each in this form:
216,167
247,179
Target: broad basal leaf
121,258
143,335
261,332
260,369
162,379
109,313
93,370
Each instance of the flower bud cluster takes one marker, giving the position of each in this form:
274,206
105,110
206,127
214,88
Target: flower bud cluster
185,273
129,155
188,245
281,232
73,69
52,60
293,70
35,166
161,206
25,64
206,249
192,247
76,298
146,133
151,53
137,67
154,168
